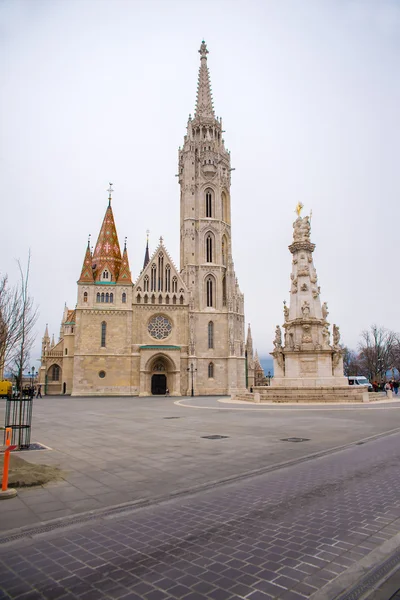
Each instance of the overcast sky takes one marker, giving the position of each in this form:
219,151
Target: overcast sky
94,91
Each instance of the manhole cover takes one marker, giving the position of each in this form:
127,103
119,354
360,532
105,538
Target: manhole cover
171,417
35,446
294,439
214,437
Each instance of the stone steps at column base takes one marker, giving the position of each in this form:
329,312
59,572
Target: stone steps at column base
304,395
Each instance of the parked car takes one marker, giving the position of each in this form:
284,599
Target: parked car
360,380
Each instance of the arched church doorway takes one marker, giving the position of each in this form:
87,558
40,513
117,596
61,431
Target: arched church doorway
158,384
159,378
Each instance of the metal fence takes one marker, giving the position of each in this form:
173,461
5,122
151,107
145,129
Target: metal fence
19,418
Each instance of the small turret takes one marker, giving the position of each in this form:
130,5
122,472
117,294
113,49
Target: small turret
87,271
124,273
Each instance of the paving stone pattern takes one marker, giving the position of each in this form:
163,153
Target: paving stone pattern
284,534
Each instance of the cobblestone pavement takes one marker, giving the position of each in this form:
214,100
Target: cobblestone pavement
284,534
120,450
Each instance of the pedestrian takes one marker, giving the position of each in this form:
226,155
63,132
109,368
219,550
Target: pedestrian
387,387
167,392
39,391
396,387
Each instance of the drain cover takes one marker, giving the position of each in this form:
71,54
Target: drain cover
171,417
294,439
36,446
214,437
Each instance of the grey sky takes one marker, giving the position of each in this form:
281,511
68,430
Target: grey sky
94,91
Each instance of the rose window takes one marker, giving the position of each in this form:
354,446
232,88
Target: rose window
159,327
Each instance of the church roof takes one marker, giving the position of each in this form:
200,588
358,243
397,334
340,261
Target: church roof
204,101
70,316
107,253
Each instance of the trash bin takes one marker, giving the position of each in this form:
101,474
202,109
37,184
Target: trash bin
19,418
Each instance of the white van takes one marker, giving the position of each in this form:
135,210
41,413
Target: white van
359,380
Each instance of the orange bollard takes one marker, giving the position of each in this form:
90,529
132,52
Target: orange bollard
4,483
5,492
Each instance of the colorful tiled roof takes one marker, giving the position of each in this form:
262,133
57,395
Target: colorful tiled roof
107,253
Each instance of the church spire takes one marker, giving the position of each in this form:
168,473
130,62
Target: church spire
146,254
106,259
204,102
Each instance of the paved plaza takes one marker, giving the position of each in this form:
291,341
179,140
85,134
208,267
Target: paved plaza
149,507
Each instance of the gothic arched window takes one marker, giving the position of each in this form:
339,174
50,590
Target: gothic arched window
98,297
123,298
160,272
103,334
102,297
174,285
107,297
160,299
146,299
208,203
167,278
138,299
55,373
209,248
146,283
85,296
153,282
210,292
211,370
111,297
105,274
211,335
153,299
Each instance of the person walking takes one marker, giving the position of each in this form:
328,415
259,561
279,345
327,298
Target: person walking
39,391
396,386
387,387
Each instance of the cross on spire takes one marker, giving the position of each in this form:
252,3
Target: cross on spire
110,189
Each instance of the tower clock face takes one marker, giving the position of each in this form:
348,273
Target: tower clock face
159,327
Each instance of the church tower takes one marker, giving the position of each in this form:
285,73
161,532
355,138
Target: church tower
216,311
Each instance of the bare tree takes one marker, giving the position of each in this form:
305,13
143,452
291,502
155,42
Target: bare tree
10,322
376,351
27,315
351,362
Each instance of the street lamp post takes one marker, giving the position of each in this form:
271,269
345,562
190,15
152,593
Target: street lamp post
269,377
192,370
32,374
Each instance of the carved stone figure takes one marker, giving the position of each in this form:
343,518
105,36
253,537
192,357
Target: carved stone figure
336,359
286,312
325,311
294,286
336,335
315,293
304,287
326,335
301,229
278,337
313,276
305,309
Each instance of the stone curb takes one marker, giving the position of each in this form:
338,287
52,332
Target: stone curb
362,579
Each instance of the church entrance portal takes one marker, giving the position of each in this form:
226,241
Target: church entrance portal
158,384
